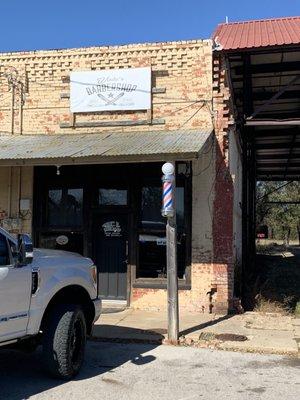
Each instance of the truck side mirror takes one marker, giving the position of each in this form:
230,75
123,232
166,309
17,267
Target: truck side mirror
25,249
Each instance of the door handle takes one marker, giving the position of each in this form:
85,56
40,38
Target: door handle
126,260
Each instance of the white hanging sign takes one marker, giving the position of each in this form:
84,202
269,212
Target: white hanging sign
110,90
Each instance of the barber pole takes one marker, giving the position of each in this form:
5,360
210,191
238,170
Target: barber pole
167,206
168,191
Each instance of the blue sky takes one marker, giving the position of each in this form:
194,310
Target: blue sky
42,24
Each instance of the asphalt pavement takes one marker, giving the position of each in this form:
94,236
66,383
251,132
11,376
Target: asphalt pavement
142,371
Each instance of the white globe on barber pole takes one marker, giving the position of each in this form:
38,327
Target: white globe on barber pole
168,192
168,169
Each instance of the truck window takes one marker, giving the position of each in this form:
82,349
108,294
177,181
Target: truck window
4,254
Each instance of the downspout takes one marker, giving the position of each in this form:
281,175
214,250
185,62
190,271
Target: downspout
12,108
10,168
9,192
21,108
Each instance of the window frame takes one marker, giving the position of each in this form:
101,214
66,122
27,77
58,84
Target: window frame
112,187
9,255
161,283
64,189
90,179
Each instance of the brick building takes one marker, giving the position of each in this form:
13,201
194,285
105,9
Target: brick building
64,176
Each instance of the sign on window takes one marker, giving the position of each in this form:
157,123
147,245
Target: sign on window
110,90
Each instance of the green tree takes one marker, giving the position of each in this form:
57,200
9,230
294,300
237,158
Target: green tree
282,218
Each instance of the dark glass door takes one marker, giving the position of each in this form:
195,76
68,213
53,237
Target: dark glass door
110,249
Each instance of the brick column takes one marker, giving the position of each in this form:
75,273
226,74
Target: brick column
223,268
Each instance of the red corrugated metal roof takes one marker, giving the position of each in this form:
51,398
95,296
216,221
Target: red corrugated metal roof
259,33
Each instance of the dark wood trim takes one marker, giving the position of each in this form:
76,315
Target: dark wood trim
261,50
187,184
99,124
279,164
247,86
157,283
283,157
155,90
283,146
272,67
273,122
90,178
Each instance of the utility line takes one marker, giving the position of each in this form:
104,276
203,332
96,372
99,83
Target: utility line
161,116
179,99
192,116
274,190
62,87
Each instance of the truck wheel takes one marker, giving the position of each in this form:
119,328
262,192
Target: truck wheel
64,341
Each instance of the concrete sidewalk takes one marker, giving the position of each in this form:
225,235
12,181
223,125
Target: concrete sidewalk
251,332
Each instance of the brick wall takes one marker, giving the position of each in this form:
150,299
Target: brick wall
182,68
212,270
200,297
196,97
223,235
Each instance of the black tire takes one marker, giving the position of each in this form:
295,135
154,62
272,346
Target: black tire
64,339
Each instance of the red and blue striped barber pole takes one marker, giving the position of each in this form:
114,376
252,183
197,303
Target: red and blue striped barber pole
167,196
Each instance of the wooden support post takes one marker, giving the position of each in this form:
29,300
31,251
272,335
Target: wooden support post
72,120
149,116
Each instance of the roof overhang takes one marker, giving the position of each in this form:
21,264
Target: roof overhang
257,34
266,90
101,148
263,65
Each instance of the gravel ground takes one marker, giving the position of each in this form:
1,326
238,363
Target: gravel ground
138,371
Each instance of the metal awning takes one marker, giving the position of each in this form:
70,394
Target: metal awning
257,34
44,149
266,93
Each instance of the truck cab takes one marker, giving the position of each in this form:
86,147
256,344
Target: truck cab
47,298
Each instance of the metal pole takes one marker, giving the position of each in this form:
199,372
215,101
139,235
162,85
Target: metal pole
172,277
172,281
21,107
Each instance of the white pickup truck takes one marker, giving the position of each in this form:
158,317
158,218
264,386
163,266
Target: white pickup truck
48,298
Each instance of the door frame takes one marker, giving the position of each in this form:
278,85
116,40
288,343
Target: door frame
123,210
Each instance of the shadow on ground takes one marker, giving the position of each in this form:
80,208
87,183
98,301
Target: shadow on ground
205,325
127,334
21,375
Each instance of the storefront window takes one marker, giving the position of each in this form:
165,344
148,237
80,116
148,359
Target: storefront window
65,207
151,207
112,197
152,234
69,241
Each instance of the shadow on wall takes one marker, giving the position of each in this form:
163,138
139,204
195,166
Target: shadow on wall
223,231
21,375
220,201
217,263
